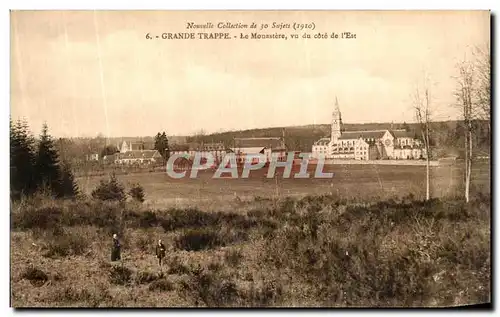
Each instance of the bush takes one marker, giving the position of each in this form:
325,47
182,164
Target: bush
120,275
71,294
267,294
62,243
110,190
212,289
198,239
233,257
146,277
162,285
144,241
137,193
148,219
29,217
36,276
188,218
387,253
194,218
176,267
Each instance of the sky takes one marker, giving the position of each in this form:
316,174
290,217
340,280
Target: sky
91,72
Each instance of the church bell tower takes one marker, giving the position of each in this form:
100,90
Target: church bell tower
336,123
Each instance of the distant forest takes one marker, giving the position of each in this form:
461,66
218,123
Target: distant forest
447,137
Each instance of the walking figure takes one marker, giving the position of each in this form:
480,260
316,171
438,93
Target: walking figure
115,252
160,251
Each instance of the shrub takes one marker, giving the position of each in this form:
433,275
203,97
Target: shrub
36,276
137,193
233,257
62,243
194,218
120,275
148,219
71,294
385,253
212,289
176,267
110,190
144,241
214,266
145,277
267,294
188,218
162,285
198,239
29,217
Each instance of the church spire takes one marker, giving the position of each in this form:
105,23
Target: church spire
336,122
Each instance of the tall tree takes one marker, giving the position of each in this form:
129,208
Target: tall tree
47,169
422,107
464,96
483,86
68,186
109,150
22,160
166,145
161,145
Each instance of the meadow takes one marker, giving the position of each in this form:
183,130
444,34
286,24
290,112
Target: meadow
368,182
363,238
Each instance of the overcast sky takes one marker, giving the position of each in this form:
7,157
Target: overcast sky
94,72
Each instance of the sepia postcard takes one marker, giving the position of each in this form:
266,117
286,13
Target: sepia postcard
331,159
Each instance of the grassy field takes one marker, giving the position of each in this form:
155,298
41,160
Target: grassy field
350,182
355,240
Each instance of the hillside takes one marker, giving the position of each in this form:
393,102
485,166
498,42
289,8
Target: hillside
447,136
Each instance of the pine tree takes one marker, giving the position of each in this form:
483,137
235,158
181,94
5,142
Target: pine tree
161,145
157,141
22,160
47,169
137,193
166,149
110,190
68,186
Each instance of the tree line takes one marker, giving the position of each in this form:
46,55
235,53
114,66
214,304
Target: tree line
35,165
472,100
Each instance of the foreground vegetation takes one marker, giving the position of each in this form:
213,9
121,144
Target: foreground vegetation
312,251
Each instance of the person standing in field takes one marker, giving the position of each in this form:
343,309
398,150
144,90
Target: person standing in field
160,251
116,250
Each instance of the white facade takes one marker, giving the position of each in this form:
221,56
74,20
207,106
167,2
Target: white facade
366,145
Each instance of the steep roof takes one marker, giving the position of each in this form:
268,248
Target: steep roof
322,141
270,142
402,134
137,154
252,150
350,135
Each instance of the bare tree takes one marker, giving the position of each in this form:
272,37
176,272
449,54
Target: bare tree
422,107
465,96
482,107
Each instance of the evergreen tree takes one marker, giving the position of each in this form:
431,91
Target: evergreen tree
161,145
109,150
68,186
47,169
166,149
137,193
22,159
110,190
